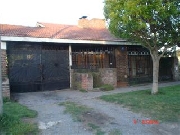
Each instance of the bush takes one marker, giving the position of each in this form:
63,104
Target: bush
107,87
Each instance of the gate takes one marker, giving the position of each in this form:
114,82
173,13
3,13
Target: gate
37,67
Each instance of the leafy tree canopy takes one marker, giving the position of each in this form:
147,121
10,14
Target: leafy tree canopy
153,23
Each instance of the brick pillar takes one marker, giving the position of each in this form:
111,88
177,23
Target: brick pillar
4,64
86,81
5,79
108,76
122,66
82,81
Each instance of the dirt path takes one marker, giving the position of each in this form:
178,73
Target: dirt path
52,120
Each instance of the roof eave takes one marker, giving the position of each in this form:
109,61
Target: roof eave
70,41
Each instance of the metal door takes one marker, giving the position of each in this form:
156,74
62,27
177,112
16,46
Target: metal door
37,67
55,61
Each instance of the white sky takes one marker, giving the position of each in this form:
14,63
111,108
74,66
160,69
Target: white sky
28,12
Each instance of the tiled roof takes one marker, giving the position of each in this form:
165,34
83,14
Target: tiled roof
57,31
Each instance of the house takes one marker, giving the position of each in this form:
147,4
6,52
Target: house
45,57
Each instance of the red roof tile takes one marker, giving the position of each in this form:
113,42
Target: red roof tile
57,31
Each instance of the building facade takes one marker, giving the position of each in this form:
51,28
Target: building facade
47,56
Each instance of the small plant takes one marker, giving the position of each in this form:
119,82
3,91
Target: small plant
107,87
83,90
6,99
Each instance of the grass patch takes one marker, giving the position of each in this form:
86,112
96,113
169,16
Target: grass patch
164,106
83,90
107,87
75,110
96,129
115,132
11,121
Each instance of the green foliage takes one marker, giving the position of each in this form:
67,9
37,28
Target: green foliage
10,121
153,23
6,99
83,90
163,106
107,87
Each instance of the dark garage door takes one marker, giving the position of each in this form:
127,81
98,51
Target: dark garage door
37,67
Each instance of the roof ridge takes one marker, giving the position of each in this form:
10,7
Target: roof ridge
47,23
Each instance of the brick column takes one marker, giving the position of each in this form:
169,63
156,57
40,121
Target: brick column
122,65
108,76
5,79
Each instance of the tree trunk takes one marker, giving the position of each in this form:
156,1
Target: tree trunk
155,59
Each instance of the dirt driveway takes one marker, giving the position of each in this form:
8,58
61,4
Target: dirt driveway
53,121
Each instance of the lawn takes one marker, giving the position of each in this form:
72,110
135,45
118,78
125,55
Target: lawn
164,106
11,121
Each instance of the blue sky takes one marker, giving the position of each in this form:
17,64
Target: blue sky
28,12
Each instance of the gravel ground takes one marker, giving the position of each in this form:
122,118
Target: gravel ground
52,120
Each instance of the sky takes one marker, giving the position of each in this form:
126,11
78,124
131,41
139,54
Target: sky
28,12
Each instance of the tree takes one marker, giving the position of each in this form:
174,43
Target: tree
155,24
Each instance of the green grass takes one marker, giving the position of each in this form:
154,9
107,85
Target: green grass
96,129
75,110
11,121
165,106
107,87
83,90
115,132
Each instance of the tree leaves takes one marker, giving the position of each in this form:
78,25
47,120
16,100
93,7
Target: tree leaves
153,23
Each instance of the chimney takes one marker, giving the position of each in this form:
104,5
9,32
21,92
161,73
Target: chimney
93,23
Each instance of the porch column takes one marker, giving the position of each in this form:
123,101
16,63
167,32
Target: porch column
4,75
176,76
70,64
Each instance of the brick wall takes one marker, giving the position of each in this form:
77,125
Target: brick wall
108,76
122,66
5,80
85,80
81,80
4,64
93,23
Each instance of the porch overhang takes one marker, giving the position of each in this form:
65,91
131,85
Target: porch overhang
70,41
